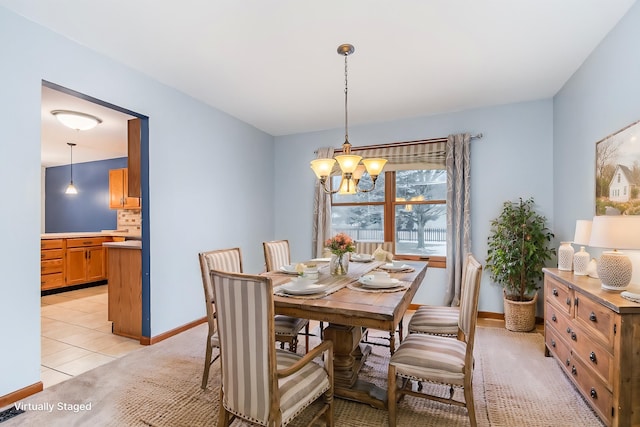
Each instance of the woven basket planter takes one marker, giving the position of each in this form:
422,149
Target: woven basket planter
520,316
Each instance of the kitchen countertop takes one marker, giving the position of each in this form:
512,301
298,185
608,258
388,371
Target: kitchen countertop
105,233
127,244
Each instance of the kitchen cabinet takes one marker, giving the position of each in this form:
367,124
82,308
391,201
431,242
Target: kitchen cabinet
85,260
133,157
118,191
52,258
125,288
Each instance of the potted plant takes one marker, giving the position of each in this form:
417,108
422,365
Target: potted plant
518,249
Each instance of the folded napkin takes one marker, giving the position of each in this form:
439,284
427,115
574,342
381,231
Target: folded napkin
630,296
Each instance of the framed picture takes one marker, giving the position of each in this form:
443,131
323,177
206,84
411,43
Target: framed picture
618,172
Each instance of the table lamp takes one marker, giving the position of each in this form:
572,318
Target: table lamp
615,232
581,258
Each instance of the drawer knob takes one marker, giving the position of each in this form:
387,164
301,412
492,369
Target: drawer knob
554,318
568,301
568,362
593,358
594,393
573,336
592,317
574,371
555,292
568,330
553,343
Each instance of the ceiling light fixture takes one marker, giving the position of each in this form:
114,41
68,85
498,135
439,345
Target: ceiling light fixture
71,189
350,166
76,120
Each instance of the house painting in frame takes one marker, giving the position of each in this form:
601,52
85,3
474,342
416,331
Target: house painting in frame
618,172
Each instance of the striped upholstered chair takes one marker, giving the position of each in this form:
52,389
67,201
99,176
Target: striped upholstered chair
277,254
369,248
437,319
260,383
225,260
439,359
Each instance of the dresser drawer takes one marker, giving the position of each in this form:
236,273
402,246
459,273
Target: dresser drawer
593,390
558,319
87,241
593,355
51,243
51,266
51,281
51,254
558,294
596,319
558,347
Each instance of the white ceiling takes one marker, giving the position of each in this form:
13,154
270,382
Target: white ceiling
273,64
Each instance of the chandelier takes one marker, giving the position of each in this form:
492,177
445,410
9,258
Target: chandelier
350,166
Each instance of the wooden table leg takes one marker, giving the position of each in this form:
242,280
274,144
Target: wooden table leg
348,358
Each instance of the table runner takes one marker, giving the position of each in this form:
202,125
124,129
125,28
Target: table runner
334,283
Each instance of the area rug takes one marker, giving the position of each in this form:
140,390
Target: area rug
514,385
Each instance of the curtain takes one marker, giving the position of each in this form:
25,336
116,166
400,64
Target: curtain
321,211
458,212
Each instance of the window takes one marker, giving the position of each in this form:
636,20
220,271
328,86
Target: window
407,207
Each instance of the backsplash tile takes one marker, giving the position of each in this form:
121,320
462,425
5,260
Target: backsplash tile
130,219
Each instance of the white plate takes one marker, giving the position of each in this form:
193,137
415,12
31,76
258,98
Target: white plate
290,288
289,269
390,267
368,283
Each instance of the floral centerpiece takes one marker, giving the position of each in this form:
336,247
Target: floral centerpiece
340,246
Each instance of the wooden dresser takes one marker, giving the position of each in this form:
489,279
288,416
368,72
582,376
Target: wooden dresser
595,335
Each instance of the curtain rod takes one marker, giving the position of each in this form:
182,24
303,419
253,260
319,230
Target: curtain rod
401,144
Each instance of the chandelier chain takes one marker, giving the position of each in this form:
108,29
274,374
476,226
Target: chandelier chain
346,94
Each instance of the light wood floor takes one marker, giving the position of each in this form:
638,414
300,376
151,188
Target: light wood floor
76,335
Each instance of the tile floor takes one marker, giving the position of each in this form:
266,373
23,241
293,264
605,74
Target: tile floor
76,335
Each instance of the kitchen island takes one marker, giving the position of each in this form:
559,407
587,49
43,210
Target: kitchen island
124,268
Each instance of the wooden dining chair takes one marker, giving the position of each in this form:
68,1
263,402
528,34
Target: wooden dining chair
370,248
225,260
438,359
437,319
277,254
260,383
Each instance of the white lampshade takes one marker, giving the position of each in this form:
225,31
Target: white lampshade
615,232
374,166
583,232
348,162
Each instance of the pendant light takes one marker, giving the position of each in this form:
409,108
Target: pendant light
71,189
350,166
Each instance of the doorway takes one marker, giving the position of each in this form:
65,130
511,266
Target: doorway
83,301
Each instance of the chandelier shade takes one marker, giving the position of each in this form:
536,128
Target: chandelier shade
352,166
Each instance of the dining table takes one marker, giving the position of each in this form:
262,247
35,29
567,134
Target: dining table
349,308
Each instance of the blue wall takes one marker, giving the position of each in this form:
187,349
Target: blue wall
89,209
602,97
513,159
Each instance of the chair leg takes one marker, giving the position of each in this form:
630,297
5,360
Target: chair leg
321,330
293,345
223,415
392,342
207,364
400,327
471,407
391,396
306,338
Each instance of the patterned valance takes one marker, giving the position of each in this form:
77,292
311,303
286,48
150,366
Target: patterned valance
423,154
